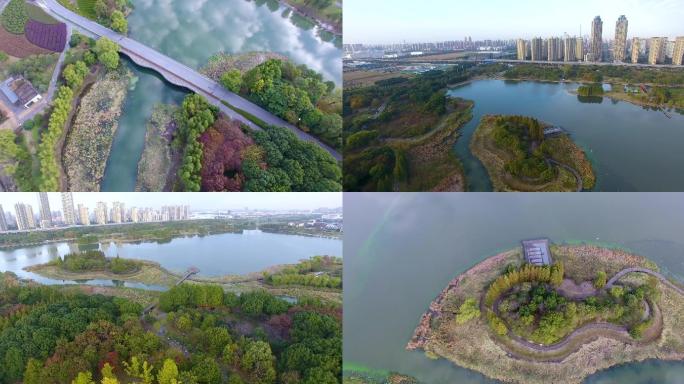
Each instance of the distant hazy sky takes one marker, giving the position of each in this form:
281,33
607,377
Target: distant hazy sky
196,201
389,21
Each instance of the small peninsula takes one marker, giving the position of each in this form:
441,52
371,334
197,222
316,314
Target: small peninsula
523,154
554,313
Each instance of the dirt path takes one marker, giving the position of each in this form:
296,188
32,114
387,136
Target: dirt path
580,183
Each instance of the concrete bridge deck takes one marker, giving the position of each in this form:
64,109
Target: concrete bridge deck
179,74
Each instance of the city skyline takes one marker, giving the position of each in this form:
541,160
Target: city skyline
197,201
385,22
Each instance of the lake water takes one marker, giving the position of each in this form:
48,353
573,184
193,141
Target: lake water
191,32
215,255
401,250
631,148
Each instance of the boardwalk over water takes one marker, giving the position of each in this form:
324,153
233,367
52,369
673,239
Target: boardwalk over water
180,74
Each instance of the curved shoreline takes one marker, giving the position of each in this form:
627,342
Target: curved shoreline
588,348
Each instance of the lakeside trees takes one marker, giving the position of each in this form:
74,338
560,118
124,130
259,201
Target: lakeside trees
51,336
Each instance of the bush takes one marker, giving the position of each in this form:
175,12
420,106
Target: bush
600,281
15,17
232,80
467,311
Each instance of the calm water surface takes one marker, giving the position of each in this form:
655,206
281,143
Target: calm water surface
401,250
631,148
214,255
191,32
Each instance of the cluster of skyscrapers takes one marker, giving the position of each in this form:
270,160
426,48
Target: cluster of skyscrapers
80,215
654,50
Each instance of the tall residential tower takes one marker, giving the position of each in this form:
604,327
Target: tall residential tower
68,208
595,49
620,39
44,207
678,56
656,50
3,222
24,214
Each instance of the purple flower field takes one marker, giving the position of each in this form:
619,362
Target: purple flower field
48,36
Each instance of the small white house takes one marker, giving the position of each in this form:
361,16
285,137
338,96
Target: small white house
20,91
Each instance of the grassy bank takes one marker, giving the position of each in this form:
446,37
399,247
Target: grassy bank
149,273
473,344
90,138
155,165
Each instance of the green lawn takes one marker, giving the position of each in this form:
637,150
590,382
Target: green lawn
36,13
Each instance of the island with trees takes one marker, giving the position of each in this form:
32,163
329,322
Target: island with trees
281,330
523,154
518,318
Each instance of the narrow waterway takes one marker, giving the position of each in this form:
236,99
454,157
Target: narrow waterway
148,89
630,147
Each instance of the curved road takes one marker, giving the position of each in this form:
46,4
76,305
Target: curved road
180,74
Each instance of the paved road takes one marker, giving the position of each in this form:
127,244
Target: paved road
662,278
180,74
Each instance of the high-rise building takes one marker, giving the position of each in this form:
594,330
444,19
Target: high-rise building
678,55
25,218
536,49
521,49
134,215
552,49
83,216
596,48
656,50
620,44
101,213
68,208
117,212
3,222
570,44
44,207
635,50
579,49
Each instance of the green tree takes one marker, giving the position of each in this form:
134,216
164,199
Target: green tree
467,311
600,280
258,361
168,374
107,53
83,378
9,151
232,80
119,22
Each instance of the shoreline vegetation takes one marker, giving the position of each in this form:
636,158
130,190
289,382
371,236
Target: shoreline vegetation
518,156
317,277
142,232
398,133
484,337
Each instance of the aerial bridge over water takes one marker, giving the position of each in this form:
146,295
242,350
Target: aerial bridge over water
180,75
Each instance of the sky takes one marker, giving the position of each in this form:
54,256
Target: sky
196,201
392,21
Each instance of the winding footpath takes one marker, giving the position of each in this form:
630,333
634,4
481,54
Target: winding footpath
181,75
607,329
580,183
